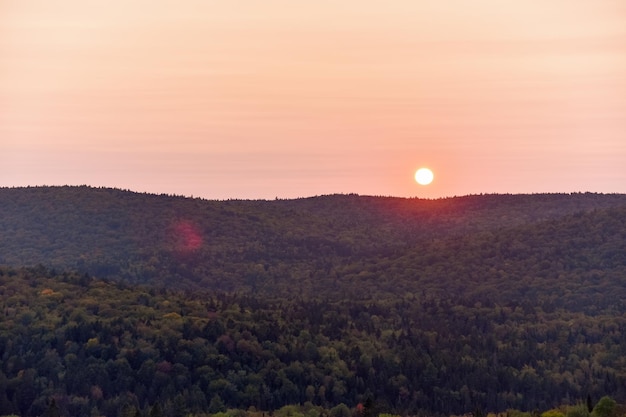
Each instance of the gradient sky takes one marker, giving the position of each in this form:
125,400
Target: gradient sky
283,98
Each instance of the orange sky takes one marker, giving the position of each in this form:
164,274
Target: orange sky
269,98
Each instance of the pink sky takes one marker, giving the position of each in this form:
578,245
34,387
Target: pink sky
268,98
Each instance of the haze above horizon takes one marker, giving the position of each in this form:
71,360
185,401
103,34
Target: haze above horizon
264,99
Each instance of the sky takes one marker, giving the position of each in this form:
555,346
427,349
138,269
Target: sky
264,99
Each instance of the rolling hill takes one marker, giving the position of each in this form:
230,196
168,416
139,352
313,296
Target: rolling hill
337,245
120,303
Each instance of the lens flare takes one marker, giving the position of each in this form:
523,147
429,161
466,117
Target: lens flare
187,237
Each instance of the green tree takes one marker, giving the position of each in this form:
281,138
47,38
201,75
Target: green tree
553,413
156,410
53,409
578,410
340,410
605,407
129,410
216,405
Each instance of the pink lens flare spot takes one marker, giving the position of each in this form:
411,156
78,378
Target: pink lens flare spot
187,237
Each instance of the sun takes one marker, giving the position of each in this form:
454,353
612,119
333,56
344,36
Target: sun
424,176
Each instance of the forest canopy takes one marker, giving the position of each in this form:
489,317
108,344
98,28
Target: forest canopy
114,301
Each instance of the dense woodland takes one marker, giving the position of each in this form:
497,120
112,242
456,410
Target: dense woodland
119,303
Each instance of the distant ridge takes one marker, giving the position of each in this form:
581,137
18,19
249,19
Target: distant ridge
318,244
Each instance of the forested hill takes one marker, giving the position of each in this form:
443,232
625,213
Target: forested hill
328,246
162,305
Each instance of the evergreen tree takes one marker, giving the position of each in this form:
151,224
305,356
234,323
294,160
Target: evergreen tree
156,410
216,405
53,409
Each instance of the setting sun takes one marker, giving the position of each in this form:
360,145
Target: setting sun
424,176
